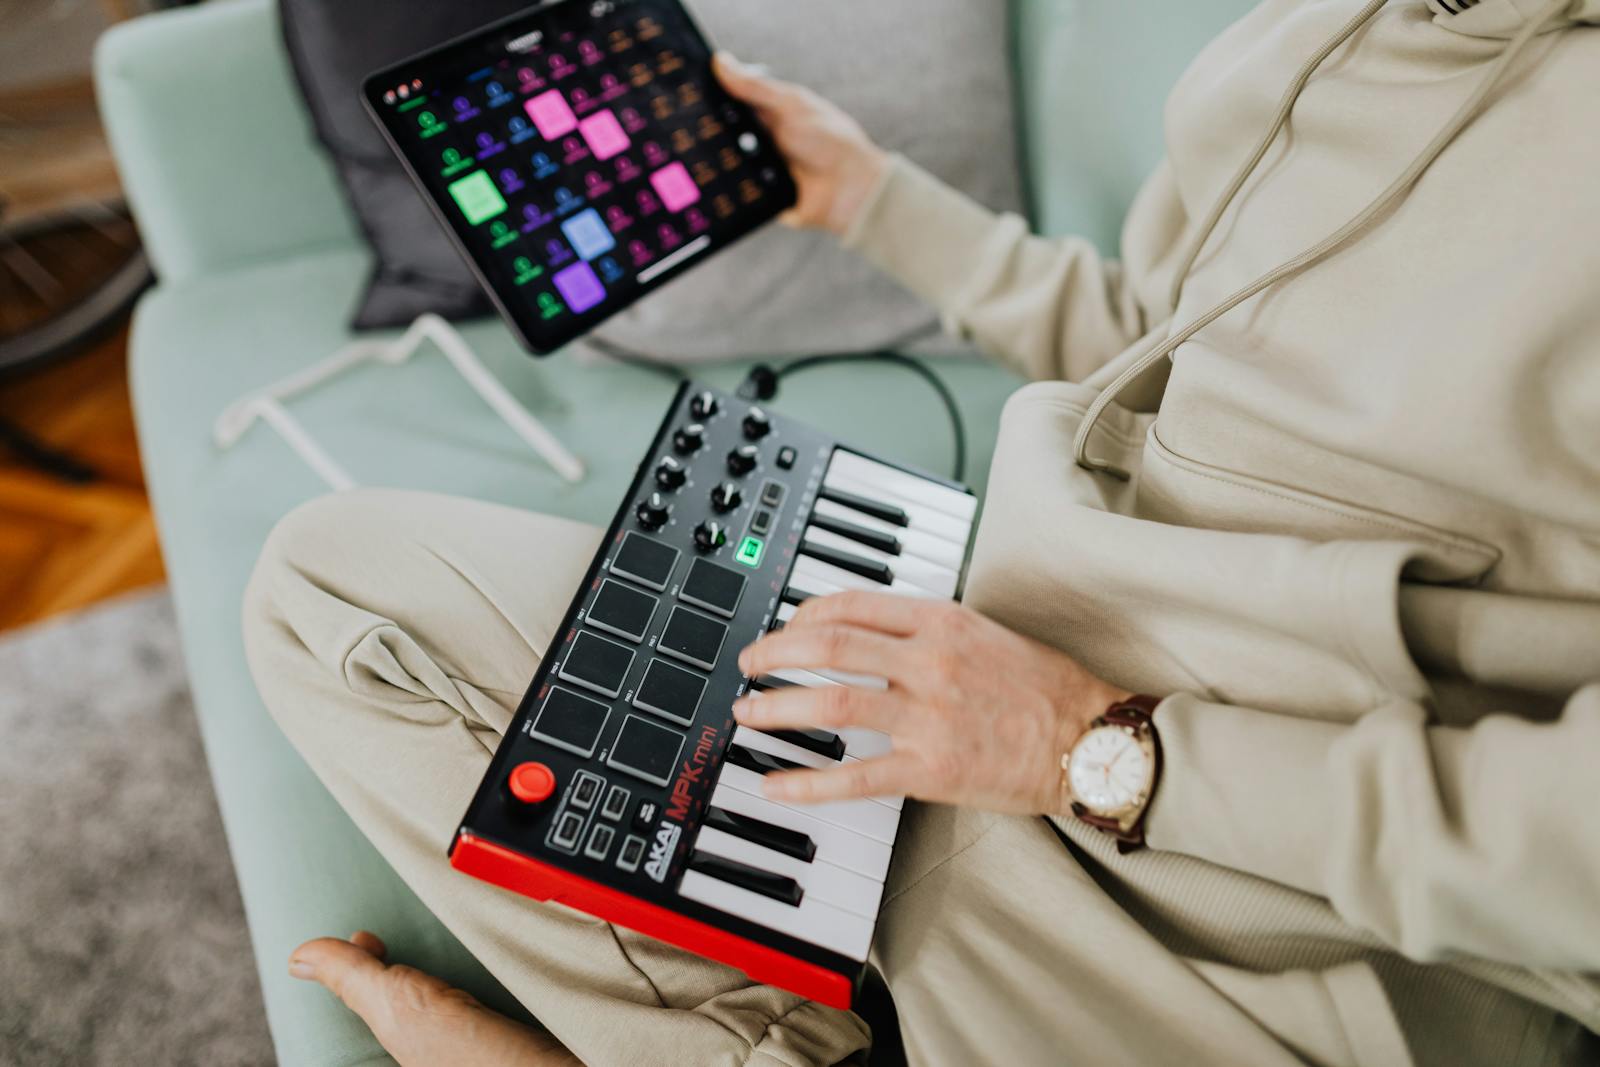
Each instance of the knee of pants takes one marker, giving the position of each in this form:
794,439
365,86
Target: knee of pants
286,576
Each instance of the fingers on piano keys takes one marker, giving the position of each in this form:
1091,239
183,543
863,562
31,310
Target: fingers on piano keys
816,871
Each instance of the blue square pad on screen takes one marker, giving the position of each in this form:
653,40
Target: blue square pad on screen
588,234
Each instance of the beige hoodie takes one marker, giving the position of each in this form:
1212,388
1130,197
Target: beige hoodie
1360,544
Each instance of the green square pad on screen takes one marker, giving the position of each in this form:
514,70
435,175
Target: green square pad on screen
477,197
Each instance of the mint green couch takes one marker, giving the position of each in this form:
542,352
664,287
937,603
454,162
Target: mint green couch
260,263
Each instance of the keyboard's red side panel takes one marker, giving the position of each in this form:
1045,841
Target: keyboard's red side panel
533,878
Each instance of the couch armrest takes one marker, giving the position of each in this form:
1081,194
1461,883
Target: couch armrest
215,147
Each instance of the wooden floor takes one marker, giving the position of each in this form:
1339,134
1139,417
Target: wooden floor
64,546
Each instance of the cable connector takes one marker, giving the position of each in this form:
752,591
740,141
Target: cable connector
760,384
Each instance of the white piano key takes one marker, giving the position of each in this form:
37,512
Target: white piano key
811,583
939,581
877,821
838,886
946,554
815,921
920,516
777,746
786,612
952,502
858,741
807,570
839,845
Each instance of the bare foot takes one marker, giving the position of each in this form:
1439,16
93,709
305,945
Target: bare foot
419,1019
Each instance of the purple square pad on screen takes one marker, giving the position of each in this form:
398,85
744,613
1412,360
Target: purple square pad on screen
676,189
579,287
552,114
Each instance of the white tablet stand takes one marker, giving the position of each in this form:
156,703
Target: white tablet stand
267,405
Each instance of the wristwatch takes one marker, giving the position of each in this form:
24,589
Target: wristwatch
1111,773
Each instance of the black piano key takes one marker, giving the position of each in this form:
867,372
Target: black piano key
885,543
759,762
821,742
779,887
877,509
766,834
794,596
870,569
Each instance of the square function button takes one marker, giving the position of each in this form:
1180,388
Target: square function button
599,845
761,525
616,805
648,562
717,589
585,791
692,638
786,458
596,663
565,836
670,692
772,494
632,852
570,721
646,751
622,610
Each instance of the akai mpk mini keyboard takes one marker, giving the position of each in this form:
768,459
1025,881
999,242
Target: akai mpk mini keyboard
623,787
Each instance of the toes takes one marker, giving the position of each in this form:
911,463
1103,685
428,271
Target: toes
350,972
371,942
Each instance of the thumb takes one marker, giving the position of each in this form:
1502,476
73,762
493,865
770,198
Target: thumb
347,969
748,83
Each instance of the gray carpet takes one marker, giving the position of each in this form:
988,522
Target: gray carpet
122,940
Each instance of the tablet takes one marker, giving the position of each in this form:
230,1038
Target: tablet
581,154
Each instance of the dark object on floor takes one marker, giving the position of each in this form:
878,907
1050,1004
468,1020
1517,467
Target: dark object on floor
120,924
334,45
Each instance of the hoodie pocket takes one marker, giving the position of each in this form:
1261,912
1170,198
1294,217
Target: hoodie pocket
1176,489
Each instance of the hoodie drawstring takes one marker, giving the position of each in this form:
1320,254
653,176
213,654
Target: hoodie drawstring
1401,185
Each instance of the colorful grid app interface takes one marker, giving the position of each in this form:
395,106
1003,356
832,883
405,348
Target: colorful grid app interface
585,162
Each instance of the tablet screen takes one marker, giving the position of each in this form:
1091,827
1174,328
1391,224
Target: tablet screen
581,154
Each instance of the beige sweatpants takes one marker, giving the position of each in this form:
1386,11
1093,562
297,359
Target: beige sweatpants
392,635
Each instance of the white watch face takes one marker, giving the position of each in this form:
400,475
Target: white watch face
1109,770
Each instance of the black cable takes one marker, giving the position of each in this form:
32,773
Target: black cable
763,381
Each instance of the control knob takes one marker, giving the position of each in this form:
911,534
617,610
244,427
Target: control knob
756,424
654,512
690,439
726,497
704,405
670,474
710,535
742,460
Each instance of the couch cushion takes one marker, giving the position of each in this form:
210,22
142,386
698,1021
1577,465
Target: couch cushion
1093,79
214,149
304,869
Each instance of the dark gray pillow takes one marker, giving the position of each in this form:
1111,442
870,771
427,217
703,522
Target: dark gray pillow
333,45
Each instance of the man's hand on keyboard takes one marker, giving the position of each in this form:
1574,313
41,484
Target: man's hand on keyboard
979,716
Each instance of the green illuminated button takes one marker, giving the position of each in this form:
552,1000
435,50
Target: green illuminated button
477,197
750,550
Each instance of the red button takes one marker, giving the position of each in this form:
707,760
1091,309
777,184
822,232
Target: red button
532,783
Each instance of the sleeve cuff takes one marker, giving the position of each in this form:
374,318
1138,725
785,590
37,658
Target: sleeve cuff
1244,789
892,232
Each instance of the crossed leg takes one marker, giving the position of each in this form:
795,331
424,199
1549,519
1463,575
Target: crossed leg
392,635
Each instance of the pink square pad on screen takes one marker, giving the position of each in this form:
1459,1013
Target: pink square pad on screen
551,113
676,189
605,134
